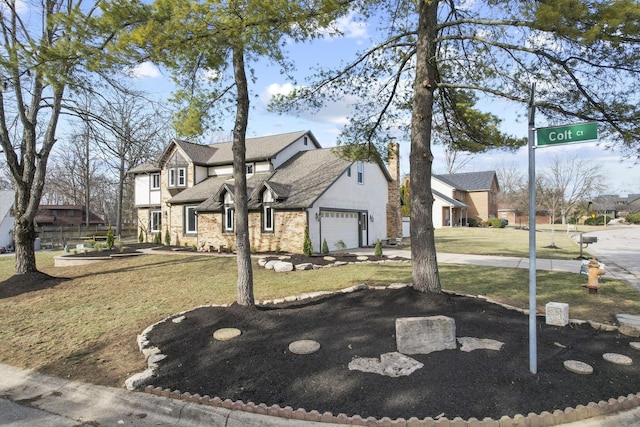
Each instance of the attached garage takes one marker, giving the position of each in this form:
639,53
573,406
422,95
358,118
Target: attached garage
340,225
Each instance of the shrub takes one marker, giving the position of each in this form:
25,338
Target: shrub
119,244
378,250
307,247
141,236
98,246
496,223
340,246
110,238
157,239
325,247
633,218
167,237
472,222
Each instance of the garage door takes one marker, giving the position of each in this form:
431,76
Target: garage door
339,226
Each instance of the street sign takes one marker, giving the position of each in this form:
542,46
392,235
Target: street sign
567,134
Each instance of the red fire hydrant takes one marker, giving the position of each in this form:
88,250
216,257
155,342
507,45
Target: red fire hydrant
594,272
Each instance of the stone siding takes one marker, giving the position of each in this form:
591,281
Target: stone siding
288,234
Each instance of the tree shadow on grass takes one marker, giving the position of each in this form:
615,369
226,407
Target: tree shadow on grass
29,282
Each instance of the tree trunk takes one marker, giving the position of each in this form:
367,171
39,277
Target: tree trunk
24,232
119,197
245,270
423,249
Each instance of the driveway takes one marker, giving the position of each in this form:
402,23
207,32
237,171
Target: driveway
619,248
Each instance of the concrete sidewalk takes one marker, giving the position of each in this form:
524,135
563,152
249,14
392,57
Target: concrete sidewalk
29,399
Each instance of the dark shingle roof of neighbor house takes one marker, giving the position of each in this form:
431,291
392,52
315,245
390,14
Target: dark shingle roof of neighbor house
469,181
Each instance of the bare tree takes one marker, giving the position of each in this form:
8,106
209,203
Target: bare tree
128,129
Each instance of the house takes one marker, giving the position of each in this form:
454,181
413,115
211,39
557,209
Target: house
65,216
7,199
292,183
464,197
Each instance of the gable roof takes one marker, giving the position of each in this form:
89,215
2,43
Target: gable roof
147,167
469,181
448,200
260,148
7,199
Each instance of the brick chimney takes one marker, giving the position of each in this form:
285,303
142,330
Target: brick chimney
394,212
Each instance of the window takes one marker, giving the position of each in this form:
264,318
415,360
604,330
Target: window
155,181
250,169
228,218
182,177
267,215
306,141
155,221
349,171
172,177
360,173
190,220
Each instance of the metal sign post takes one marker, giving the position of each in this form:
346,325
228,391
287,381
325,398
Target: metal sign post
546,137
533,342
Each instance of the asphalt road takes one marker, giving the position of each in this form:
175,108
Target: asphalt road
619,248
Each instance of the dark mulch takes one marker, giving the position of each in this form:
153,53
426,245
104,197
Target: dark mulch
28,282
258,367
126,249
320,259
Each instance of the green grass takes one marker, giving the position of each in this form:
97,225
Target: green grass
505,242
86,327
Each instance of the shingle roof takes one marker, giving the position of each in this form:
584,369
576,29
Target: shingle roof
469,181
452,202
201,191
147,167
198,153
212,202
260,148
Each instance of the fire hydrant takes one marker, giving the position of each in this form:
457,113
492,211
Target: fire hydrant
594,272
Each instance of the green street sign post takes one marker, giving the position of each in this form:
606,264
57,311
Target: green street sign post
567,134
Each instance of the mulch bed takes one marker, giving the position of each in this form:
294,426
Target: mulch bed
257,366
296,259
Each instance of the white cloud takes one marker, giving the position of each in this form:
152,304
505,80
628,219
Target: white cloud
351,27
146,69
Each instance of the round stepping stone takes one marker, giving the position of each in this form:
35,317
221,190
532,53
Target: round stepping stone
304,347
618,359
635,345
226,334
578,367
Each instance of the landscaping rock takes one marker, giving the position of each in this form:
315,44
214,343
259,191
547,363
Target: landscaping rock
618,359
423,335
282,267
469,344
304,347
269,265
557,314
390,364
329,258
262,262
304,266
629,324
225,334
578,367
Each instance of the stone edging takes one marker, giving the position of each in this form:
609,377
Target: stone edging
544,419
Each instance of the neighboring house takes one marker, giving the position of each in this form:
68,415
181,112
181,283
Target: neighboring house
7,199
65,216
461,197
292,183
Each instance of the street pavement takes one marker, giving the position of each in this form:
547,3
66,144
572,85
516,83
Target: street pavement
28,398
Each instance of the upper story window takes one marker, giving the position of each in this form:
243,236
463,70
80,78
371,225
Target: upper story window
306,140
360,172
155,181
349,171
177,177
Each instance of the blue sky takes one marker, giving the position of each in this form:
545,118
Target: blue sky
621,175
